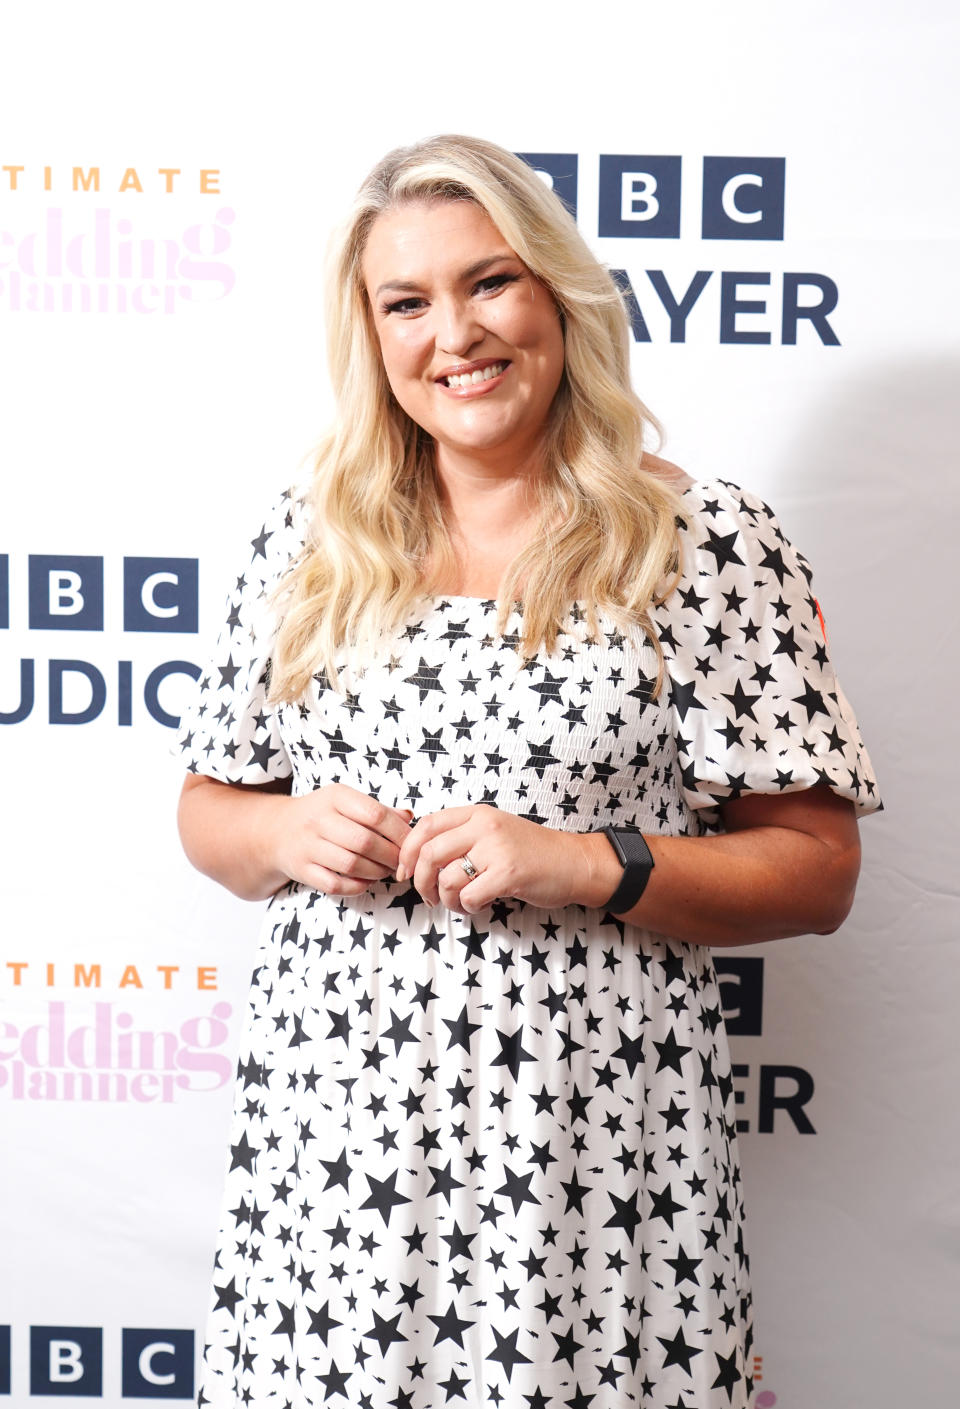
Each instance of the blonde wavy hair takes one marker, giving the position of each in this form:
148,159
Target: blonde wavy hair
608,525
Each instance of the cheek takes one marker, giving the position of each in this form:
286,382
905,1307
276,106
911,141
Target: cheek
402,365
402,349
536,329
554,347
544,343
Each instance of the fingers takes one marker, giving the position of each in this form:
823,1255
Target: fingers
458,891
438,874
424,833
331,882
376,817
506,851
358,848
435,850
344,840
372,864
363,827
476,895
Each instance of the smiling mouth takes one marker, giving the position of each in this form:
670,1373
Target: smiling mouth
474,377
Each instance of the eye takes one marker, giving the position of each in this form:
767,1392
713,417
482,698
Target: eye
405,306
493,283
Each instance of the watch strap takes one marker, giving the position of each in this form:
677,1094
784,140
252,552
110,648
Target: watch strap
635,857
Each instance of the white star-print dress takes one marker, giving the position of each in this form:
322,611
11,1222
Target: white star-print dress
491,1160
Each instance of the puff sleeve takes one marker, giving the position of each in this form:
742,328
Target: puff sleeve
755,704
228,730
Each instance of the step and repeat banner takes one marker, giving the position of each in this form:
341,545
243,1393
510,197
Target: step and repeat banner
775,190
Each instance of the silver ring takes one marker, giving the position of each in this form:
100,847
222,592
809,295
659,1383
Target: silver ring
469,867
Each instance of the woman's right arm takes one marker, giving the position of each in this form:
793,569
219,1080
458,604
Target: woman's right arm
253,839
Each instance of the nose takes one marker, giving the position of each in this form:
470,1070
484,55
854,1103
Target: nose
457,328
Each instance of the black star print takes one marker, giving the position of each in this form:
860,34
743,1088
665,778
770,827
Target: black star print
506,1351
722,548
228,1296
729,1374
516,1187
383,1195
444,1182
671,1052
684,1267
685,699
425,678
512,1052
812,701
399,1030
663,1205
321,1322
450,1326
567,1346
242,1154
454,1386
626,1215
630,1051
384,1331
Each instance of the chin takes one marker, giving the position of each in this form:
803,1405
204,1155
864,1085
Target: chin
483,438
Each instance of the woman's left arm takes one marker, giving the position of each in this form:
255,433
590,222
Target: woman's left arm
786,865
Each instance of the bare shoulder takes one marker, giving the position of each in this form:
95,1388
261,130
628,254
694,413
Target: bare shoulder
665,469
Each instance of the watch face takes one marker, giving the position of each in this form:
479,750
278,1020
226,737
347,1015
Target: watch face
631,848
613,836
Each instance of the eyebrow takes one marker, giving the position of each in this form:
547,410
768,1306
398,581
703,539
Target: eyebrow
406,286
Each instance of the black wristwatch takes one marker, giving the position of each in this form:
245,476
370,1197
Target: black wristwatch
634,855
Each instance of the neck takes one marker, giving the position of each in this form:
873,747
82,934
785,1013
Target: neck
488,500
492,512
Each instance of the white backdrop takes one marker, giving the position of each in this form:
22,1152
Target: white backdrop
162,377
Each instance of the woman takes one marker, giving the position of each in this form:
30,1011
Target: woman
511,721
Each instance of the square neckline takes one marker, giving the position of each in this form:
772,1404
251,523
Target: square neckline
492,601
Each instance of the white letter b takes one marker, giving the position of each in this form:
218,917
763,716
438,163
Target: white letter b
66,1366
65,599
637,198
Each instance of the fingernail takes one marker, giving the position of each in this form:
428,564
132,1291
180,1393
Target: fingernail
401,873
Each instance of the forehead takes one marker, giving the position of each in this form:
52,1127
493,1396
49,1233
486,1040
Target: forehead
419,237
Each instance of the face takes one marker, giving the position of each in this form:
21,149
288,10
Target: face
471,341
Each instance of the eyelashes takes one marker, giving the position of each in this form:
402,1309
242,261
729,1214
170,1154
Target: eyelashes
402,305
413,303
497,281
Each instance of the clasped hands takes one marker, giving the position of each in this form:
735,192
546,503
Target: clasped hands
343,839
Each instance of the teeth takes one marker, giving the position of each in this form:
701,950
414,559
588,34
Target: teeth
471,378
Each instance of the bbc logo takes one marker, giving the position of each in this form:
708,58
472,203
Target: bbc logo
68,1360
741,198
65,592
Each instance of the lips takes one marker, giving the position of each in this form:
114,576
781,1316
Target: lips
467,374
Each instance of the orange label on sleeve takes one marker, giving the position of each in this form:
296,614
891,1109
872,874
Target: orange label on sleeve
823,624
